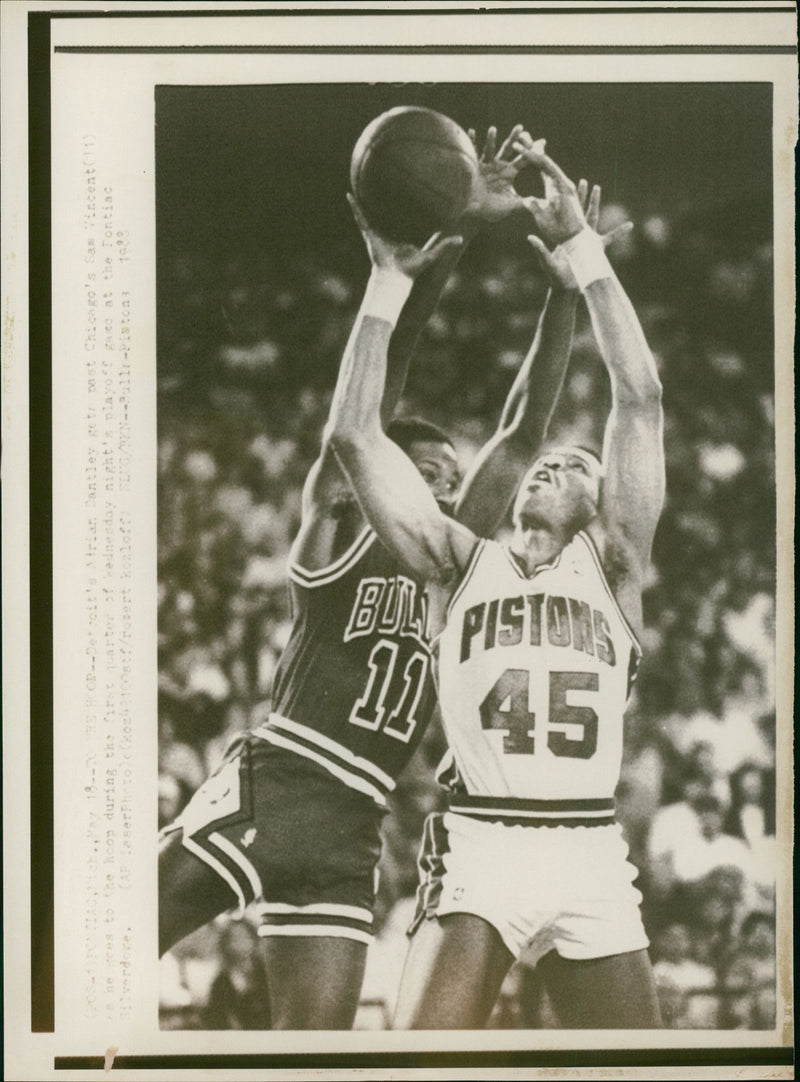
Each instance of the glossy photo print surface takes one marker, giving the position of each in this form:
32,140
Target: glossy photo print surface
401,417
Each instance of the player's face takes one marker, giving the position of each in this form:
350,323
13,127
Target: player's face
438,465
562,486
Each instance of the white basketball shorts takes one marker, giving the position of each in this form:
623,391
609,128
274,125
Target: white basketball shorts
566,888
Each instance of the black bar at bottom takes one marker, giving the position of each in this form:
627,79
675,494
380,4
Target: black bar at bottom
638,1057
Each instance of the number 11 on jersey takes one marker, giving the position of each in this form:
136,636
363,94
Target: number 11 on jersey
390,690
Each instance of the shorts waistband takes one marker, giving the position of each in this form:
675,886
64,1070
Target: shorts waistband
536,813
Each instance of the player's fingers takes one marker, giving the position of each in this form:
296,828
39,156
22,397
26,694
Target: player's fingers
549,169
551,187
472,136
535,206
593,210
542,253
516,133
439,242
615,233
533,151
434,250
583,188
490,144
536,147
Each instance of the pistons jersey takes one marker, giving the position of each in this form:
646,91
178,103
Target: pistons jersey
354,688
534,673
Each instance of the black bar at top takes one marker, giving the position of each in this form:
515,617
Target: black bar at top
482,50
639,1057
41,521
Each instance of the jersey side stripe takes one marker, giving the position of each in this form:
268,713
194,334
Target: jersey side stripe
590,545
430,867
354,781
325,743
480,545
338,568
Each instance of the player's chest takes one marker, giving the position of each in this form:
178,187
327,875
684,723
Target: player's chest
558,612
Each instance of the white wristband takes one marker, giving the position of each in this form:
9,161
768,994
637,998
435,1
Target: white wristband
386,293
587,258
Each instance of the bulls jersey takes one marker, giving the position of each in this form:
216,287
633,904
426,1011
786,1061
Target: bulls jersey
354,688
534,674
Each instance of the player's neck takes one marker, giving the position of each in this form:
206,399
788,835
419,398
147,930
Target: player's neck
537,545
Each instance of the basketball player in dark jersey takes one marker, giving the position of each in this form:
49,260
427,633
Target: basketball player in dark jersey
291,818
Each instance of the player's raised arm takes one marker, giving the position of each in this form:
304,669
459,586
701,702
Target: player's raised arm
633,457
494,199
327,496
392,493
499,466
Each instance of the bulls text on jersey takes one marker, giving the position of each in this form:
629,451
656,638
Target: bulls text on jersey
387,606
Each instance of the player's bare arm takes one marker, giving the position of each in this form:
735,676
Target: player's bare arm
393,495
330,515
500,465
633,455
494,199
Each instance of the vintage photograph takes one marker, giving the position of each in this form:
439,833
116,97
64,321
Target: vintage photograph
466,556
398,539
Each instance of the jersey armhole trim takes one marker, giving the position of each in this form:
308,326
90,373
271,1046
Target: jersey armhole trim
593,552
339,567
480,544
469,570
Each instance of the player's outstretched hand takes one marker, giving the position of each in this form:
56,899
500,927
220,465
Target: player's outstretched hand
397,255
554,265
559,215
496,196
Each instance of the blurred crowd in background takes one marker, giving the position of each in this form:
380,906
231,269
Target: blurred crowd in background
248,358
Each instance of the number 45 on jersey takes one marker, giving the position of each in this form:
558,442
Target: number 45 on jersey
506,708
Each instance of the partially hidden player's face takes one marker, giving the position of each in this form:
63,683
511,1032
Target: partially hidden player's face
562,488
438,464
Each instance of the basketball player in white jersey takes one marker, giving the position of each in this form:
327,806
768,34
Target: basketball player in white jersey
537,647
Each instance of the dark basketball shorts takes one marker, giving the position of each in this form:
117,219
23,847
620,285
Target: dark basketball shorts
564,888
286,835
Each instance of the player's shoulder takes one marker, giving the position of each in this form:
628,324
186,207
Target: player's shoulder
611,551
327,546
618,564
464,548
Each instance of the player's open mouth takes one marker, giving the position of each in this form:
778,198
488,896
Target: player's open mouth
541,476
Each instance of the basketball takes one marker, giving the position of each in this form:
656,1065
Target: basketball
413,173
